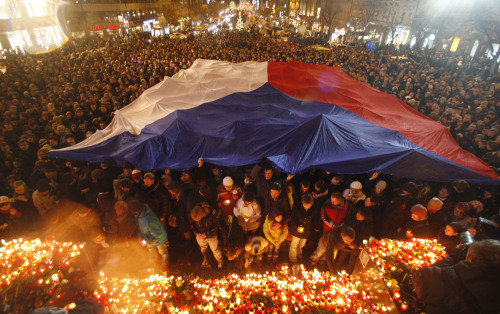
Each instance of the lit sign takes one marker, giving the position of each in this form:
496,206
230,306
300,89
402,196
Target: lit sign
99,27
454,45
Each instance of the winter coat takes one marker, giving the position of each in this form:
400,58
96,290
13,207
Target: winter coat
337,214
461,288
398,213
44,203
160,199
357,199
363,228
252,212
150,227
227,199
123,227
281,204
334,243
449,243
301,220
208,225
274,235
420,229
256,239
437,221
232,232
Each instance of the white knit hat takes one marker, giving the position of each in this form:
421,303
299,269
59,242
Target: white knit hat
356,185
227,181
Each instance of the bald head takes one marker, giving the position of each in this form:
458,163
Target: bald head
434,205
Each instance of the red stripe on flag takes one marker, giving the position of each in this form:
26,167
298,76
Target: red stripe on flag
333,85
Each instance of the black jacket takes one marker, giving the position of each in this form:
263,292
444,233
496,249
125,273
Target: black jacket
334,242
208,225
420,229
301,218
160,199
281,203
461,288
363,228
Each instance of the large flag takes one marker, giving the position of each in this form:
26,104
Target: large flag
297,115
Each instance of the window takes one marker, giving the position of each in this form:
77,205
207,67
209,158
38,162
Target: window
38,8
9,9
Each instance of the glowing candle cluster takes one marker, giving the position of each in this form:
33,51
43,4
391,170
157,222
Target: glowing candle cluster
397,259
30,271
416,253
23,258
276,292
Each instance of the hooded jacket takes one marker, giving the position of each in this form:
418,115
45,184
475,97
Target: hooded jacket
150,227
277,234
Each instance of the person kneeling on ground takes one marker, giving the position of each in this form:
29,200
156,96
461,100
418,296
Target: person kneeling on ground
255,248
331,243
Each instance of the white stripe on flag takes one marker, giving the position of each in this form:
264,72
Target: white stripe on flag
204,81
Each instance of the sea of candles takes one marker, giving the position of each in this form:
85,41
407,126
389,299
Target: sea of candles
397,259
30,271
416,253
275,292
44,264
19,258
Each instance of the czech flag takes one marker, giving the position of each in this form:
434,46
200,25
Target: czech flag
297,115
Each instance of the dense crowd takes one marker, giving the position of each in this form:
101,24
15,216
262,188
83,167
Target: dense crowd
239,215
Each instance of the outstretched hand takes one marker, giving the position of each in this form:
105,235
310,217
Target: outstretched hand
374,175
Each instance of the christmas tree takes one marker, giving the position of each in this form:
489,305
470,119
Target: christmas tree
239,23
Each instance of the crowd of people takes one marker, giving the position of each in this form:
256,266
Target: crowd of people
240,215
57,99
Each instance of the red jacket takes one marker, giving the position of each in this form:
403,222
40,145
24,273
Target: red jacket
226,199
337,214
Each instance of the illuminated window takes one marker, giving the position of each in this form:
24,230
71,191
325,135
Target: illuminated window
9,9
48,37
19,39
38,8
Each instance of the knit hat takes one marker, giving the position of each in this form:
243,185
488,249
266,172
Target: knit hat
419,210
136,174
4,199
381,185
228,181
42,142
356,185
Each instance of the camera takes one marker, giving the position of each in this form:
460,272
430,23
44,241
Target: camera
465,241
